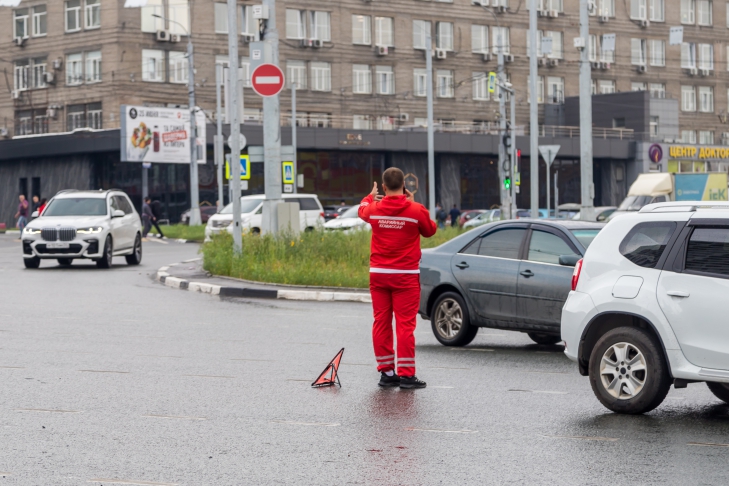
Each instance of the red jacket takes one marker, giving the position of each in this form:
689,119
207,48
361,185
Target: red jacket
396,228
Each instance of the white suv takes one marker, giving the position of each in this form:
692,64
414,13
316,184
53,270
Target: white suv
647,306
84,224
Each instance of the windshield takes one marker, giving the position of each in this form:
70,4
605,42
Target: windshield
585,236
350,213
635,203
246,206
77,206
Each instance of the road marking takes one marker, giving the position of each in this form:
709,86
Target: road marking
706,444
129,481
210,376
463,431
12,367
472,349
293,422
105,371
45,410
580,437
548,392
250,359
156,240
5,473
185,417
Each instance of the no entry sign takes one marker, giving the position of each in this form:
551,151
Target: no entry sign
267,80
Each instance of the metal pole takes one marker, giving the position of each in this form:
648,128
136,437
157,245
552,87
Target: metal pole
293,136
549,196
533,112
514,166
271,133
195,218
588,188
234,88
145,181
431,128
556,192
219,137
504,198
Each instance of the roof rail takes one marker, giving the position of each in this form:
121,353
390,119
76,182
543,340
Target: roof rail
66,190
684,206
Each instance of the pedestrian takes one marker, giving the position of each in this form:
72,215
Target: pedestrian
42,206
147,217
343,203
22,214
440,216
397,222
36,204
157,213
454,214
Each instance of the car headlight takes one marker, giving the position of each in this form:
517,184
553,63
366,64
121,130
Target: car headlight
31,231
221,223
90,231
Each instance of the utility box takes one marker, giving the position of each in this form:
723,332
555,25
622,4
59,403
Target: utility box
288,218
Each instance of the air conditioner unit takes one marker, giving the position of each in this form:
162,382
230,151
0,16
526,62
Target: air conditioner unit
595,65
554,14
604,19
382,50
554,62
508,58
57,63
645,23
487,57
49,77
19,41
605,65
693,71
482,3
163,35
16,94
543,13
441,53
704,72
642,68
541,62
174,37
403,117
316,43
249,38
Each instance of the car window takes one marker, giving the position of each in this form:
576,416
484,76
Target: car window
502,244
708,251
307,204
123,204
114,203
77,206
585,236
547,247
646,242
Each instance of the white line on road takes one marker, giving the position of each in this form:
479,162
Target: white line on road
706,444
129,481
463,431
45,410
580,437
293,422
184,417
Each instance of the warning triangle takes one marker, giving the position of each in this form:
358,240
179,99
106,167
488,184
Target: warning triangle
330,375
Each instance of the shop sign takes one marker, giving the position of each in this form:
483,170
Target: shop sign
693,152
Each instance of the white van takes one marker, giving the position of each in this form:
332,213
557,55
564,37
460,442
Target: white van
251,208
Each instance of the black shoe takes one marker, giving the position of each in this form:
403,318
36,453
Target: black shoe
411,382
389,381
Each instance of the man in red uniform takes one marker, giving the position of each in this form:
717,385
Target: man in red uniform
397,223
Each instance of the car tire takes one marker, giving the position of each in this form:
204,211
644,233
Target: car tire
720,390
626,389
451,322
64,261
546,339
136,257
105,260
32,262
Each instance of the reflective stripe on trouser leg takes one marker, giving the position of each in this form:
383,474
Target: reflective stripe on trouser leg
382,327
405,303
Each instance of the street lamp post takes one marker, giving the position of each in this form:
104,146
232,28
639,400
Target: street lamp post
195,218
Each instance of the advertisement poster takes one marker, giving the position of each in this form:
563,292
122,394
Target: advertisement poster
159,135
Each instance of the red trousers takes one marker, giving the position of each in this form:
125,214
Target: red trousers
398,293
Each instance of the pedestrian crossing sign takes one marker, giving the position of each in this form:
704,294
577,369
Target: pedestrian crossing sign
492,82
288,172
245,167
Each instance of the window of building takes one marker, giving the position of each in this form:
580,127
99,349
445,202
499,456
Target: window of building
419,82
153,65
361,32
500,39
557,44
321,26
596,53
479,39
178,67
20,24
550,5
421,29
248,25
688,136
618,122
638,52
74,69
688,55
22,75
150,23
445,83
688,98
704,12
321,76
480,83
361,122
604,8
40,21
38,72
725,138
40,121
555,90
24,122
639,9
637,86
296,73
361,79
385,31
385,123
92,14
76,117
606,86
658,52
295,24
656,11
73,15
654,126
385,80
93,67
444,35
706,137
177,13
706,99
93,116
221,18
706,56
688,11
658,90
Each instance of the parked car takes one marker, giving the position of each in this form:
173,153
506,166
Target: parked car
602,213
252,211
96,225
349,220
468,215
512,275
488,216
333,212
205,213
647,307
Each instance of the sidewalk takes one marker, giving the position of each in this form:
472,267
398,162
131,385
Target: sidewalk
189,275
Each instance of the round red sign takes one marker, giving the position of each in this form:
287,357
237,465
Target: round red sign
267,80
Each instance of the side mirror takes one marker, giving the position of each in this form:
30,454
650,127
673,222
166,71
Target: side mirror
35,214
118,213
569,260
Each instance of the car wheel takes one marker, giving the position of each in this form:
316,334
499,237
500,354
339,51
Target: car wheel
450,321
136,257
31,262
628,372
64,261
546,339
105,260
720,390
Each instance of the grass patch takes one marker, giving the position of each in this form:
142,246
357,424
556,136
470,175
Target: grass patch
316,258
182,231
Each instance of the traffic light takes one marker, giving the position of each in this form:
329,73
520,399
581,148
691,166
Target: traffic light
507,183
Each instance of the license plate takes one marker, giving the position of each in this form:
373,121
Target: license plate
57,245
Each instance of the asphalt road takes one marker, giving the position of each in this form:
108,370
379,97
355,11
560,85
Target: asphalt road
111,378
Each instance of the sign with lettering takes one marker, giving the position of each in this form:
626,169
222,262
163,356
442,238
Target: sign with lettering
700,153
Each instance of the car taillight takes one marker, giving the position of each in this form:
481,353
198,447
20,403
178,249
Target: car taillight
335,215
576,274
321,214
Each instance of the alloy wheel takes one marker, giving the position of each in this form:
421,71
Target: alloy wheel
449,318
623,371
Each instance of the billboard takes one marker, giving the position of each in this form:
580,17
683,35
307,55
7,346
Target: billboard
701,187
160,135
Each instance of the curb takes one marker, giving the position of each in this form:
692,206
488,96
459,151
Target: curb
168,280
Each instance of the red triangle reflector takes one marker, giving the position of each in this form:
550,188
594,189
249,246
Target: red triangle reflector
330,375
